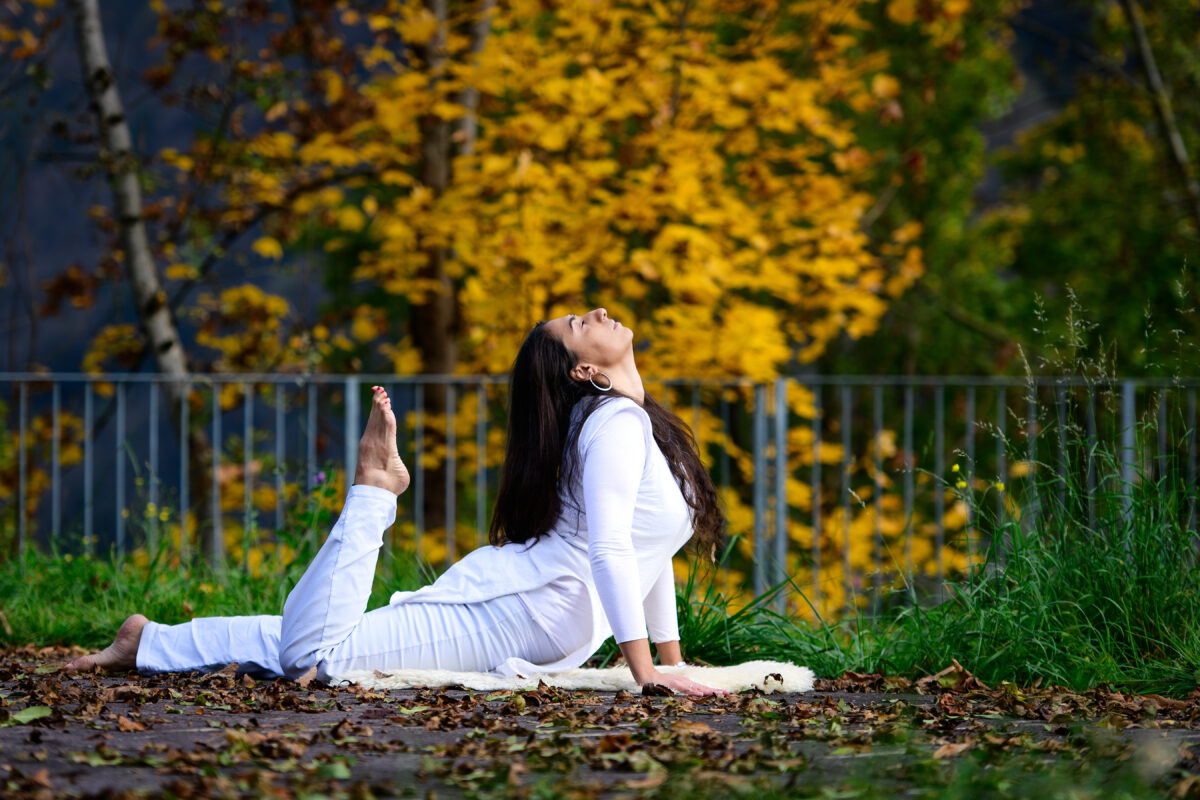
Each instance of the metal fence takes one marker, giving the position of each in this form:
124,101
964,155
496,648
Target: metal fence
822,465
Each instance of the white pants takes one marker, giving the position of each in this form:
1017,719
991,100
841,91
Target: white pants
324,624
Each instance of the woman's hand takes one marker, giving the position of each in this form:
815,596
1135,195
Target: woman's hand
681,685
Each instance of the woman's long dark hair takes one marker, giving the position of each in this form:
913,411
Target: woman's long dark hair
540,462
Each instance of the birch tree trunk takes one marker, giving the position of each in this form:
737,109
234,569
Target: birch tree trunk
157,323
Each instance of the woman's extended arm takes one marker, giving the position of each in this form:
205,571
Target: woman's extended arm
662,618
612,472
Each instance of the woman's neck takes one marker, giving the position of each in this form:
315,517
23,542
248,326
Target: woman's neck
627,381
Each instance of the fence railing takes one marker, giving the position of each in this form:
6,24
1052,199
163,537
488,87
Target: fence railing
846,484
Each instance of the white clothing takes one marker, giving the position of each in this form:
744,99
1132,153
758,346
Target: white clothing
323,623
620,550
605,572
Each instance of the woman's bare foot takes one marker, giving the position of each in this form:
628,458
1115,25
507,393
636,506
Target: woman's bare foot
379,461
119,656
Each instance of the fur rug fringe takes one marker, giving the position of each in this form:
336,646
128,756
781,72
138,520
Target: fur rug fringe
769,676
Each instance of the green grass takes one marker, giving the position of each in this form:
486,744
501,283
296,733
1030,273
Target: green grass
1115,603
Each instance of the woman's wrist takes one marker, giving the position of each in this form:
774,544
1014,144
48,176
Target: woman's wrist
642,677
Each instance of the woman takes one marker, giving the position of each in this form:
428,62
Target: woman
600,487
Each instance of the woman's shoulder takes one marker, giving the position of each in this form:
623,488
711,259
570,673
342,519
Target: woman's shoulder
612,413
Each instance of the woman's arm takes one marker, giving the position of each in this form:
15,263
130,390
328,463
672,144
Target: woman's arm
662,618
612,472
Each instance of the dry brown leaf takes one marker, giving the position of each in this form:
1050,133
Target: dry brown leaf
126,724
304,680
653,779
695,728
952,749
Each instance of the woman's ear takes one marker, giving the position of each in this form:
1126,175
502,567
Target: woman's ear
581,372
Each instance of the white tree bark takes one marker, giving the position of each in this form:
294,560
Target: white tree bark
151,301
158,323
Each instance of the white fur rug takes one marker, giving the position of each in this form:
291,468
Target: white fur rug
769,676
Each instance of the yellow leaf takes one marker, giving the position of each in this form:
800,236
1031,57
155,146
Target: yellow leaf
885,86
268,247
902,12
181,272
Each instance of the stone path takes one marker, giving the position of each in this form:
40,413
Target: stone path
226,734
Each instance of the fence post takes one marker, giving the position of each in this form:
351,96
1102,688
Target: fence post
781,504
352,429
56,474
121,509
184,477
815,484
216,553
23,425
1128,444
760,486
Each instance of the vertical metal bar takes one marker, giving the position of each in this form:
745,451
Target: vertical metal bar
152,477
815,484
247,480
724,411
1060,408
184,478
1191,428
1091,458
847,578
1128,443
760,487
419,465
451,475
1001,449
1162,471
89,474
352,426
22,457
280,453
876,436
480,463
1031,436
939,488
909,466
216,555
56,468
120,471
310,443
969,533
781,504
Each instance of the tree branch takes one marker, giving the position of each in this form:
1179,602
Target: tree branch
1162,106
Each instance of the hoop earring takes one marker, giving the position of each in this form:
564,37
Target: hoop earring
592,381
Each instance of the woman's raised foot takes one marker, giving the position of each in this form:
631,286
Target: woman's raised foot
119,656
379,461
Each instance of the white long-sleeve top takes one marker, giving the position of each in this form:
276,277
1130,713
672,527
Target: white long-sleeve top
603,569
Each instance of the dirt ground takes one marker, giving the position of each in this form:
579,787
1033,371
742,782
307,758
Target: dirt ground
226,734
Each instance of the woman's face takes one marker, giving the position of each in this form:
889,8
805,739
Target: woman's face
593,338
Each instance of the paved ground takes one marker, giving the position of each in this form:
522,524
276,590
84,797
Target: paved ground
227,735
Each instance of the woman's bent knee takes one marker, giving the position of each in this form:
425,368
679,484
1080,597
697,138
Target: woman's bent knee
295,661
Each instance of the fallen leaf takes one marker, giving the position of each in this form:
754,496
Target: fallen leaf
41,778
652,780
655,690
127,724
304,680
952,749
695,728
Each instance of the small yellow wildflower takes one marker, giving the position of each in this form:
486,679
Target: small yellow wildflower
961,484
954,468
1000,486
